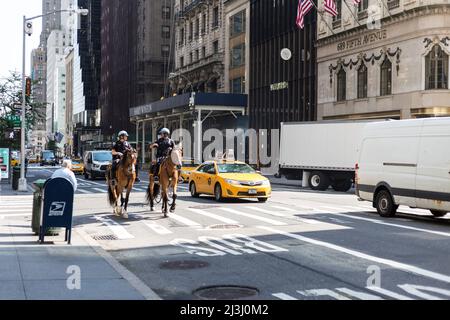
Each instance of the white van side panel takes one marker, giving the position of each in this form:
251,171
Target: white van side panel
433,171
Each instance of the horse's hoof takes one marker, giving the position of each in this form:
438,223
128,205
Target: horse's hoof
117,211
125,215
152,209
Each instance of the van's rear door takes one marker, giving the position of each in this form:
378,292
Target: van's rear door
433,170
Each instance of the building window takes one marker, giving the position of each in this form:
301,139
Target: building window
337,18
216,46
197,54
191,29
215,23
238,55
341,85
191,57
181,62
181,43
362,81
165,32
436,69
166,12
204,24
363,5
204,52
165,50
386,77
237,23
237,85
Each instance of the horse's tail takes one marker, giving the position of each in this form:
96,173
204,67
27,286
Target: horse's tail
111,197
149,192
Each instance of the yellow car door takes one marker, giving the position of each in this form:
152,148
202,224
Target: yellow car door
210,179
200,178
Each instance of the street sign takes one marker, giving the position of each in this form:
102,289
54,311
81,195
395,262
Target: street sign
4,163
15,120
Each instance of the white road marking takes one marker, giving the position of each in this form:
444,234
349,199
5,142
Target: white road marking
276,214
358,294
213,216
2,216
99,190
389,293
83,191
158,229
284,208
185,221
116,228
392,263
323,292
267,220
445,234
309,221
283,296
16,211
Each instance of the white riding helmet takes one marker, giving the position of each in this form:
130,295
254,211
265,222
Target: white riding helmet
164,130
123,133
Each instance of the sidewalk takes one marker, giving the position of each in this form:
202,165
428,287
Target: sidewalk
30,271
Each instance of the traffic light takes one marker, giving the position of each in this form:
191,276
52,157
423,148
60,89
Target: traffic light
28,87
28,28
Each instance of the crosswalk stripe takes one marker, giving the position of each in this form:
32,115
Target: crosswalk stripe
16,211
213,216
267,211
283,208
99,190
267,220
116,228
389,293
358,294
283,296
83,191
309,221
185,221
158,229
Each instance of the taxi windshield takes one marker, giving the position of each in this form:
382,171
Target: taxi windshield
75,162
189,164
235,168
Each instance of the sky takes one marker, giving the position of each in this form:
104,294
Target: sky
11,17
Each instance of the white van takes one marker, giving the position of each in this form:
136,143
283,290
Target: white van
407,163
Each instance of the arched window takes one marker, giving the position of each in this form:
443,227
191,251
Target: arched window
341,85
386,77
362,81
436,69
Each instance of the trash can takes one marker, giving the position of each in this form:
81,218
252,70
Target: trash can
38,187
38,194
15,178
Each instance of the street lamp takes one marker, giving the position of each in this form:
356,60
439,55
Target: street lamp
174,75
28,30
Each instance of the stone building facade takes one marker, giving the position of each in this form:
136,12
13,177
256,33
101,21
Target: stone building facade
384,60
200,45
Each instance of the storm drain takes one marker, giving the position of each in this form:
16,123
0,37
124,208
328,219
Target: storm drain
183,265
226,293
224,226
107,237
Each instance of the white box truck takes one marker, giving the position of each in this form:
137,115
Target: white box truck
324,153
406,163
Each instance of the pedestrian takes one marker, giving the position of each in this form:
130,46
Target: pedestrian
66,173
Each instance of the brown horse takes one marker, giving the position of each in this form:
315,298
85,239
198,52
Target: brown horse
168,177
125,177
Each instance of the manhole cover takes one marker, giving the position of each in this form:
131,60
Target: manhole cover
224,226
183,265
107,237
226,293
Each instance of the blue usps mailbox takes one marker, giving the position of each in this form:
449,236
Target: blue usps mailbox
57,211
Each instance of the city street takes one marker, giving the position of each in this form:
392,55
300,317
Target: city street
299,245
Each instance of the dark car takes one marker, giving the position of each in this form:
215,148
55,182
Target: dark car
48,159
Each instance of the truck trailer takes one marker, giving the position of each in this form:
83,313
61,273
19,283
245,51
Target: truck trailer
321,153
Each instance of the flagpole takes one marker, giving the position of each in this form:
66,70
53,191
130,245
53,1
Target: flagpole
323,19
346,4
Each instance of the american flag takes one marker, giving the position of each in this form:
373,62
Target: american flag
356,2
303,8
330,7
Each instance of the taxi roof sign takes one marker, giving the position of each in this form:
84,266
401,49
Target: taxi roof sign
228,156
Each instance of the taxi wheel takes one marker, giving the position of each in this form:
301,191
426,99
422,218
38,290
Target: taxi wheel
218,193
193,190
263,200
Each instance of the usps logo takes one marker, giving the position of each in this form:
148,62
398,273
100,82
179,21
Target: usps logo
57,209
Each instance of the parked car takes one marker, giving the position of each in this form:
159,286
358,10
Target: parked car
406,163
96,164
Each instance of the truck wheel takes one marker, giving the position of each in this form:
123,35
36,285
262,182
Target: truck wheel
385,204
438,213
319,181
342,185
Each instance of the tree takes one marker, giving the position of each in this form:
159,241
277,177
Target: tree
10,102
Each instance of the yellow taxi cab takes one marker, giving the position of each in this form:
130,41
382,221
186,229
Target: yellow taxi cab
15,162
229,179
187,168
77,166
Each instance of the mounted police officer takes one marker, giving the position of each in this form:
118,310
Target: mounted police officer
119,148
162,145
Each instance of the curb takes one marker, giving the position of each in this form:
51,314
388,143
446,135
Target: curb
134,281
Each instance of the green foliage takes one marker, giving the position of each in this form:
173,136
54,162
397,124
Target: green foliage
10,100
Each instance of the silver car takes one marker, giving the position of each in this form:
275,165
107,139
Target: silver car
96,163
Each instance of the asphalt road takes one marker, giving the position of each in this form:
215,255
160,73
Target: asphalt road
299,245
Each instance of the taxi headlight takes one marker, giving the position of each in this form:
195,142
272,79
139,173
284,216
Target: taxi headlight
266,183
234,182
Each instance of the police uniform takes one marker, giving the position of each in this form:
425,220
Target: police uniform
161,152
121,147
